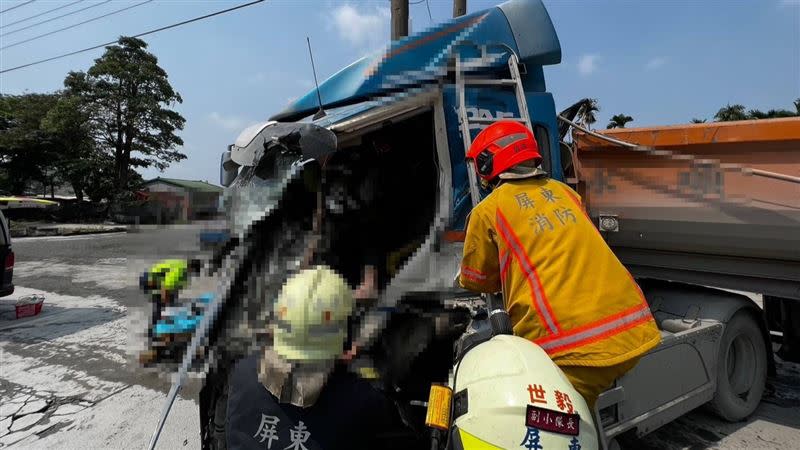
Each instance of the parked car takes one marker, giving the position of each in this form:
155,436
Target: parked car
7,256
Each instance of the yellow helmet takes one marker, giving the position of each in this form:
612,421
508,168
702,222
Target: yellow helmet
311,315
509,394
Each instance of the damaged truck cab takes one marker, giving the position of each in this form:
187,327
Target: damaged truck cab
418,104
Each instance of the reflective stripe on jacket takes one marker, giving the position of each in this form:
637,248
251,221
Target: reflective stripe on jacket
563,286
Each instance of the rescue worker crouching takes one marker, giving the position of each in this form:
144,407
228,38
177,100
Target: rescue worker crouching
297,394
162,282
563,287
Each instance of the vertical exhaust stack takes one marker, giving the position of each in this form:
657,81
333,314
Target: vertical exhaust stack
459,8
399,19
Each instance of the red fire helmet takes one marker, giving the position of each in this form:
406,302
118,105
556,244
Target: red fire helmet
500,146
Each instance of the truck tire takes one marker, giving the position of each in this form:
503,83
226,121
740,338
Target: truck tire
741,369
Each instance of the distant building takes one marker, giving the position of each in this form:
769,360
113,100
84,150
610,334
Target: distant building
174,200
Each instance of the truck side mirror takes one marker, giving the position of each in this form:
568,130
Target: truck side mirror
228,169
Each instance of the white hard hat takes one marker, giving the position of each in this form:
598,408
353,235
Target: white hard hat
311,315
508,393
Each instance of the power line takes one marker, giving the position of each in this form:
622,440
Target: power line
75,25
40,14
136,36
428,5
15,7
54,18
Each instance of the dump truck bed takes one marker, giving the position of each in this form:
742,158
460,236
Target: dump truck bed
714,203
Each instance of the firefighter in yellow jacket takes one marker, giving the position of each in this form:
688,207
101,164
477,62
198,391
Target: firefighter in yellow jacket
563,287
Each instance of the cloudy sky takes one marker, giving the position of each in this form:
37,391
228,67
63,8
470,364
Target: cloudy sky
660,61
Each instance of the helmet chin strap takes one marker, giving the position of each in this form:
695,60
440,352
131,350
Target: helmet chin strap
490,185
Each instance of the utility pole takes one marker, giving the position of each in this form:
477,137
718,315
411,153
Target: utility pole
459,8
399,19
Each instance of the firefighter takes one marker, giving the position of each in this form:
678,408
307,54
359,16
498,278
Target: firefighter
296,394
162,282
563,288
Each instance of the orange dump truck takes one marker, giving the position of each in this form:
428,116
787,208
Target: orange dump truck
699,213
715,204
698,197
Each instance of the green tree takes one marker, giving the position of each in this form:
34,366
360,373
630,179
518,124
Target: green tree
730,113
797,106
696,120
79,160
27,152
128,97
777,113
757,114
588,112
619,121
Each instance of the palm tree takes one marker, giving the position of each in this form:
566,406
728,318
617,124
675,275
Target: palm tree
730,113
589,108
771,114
696,120
775,113
619,121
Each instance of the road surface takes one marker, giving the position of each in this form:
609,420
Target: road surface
68,378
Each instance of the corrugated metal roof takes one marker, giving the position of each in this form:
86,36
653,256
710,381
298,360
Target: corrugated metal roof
192,185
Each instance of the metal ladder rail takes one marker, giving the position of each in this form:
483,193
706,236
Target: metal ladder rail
461,83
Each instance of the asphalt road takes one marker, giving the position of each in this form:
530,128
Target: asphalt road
42,262
68,380
68,377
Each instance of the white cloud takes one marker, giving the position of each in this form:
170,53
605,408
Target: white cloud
588,64
362,28
229,123
655,63
257,78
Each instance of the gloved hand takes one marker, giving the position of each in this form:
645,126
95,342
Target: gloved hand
349,354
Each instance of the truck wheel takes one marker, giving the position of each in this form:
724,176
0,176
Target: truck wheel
741,369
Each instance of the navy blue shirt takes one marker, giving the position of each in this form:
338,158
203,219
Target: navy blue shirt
348,414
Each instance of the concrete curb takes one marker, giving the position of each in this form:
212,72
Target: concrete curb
67,231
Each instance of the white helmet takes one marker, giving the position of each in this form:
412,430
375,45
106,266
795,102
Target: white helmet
509,394
311,315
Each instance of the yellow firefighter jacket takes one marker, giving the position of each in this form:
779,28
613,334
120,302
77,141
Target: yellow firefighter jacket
563,287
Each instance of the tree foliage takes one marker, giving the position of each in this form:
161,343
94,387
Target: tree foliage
619,121
127,98
107,122
771,114
27,152
79,161
588,112
730,113
737,112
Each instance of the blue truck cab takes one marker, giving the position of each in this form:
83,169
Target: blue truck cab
419,71
427,96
